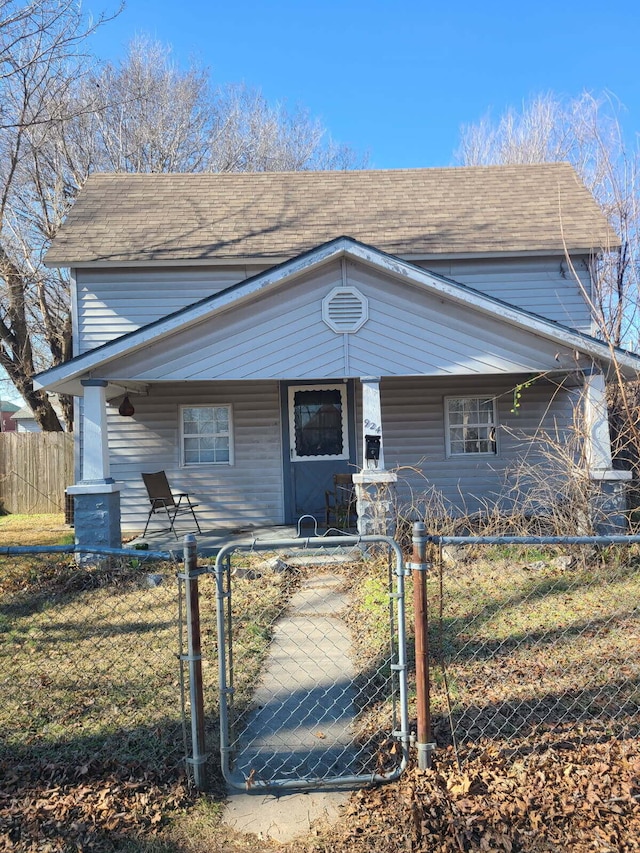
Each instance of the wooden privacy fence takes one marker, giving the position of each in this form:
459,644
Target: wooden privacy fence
35,470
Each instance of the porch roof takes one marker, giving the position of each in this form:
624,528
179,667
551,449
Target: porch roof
96,363
127,219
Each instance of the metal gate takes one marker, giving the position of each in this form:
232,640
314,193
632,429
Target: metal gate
299,708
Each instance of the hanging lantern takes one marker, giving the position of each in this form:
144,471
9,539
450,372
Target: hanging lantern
126,407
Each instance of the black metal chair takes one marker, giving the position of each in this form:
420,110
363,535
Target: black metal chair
163,500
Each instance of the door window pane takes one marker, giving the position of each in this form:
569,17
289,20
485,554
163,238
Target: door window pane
317,422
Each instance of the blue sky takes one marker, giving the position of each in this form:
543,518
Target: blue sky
398,79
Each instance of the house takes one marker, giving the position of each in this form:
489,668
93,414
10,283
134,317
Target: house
273,329
7,410
24,421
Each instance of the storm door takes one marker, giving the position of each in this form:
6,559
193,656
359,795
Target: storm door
320,436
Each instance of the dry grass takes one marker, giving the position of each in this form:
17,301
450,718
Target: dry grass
531,640
91,710
93,652
44,529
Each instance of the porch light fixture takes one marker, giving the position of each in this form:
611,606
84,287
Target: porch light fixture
126,407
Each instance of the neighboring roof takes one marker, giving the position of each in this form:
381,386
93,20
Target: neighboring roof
5,406
415,213
24,414
66,377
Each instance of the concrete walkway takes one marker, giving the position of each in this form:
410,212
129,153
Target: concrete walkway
301,727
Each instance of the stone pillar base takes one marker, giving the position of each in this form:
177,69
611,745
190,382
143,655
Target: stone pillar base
376,502
97,515
608,503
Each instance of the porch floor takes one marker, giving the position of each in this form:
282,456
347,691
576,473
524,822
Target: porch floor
210,541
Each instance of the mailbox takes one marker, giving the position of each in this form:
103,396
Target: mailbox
372,447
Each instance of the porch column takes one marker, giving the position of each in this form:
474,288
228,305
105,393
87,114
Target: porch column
95,448
596,418
371,421
96,497
375,487
608,498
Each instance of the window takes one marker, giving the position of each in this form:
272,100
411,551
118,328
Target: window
318,423
206,435
470,424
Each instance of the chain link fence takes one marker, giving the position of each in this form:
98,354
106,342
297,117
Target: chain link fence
533,642
89,660
528,642
98,665
313,676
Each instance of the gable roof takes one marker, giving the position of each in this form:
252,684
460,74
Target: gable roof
121,219
65,378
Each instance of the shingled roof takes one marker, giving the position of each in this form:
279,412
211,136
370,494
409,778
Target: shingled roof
125,218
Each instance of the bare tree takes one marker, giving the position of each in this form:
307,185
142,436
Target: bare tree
250,135
35,36
157,118
152,117
587,131
144,115
41,43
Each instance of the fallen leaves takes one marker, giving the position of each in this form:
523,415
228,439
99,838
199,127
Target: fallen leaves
459,786
83,813
580,797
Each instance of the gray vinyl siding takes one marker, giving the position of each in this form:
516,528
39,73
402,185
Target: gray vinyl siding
113,302
281,335
248,492
545,286
423,346
414,437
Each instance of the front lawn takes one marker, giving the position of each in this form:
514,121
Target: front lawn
536,702
42,529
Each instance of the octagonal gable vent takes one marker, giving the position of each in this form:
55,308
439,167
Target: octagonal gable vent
345,309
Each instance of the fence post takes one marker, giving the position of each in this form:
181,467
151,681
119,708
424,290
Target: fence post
196,693
419,571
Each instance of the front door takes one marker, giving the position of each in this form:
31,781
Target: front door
319,434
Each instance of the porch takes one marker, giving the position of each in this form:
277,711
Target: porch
453,435
211,540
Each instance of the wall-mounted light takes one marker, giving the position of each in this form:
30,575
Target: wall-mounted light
126,407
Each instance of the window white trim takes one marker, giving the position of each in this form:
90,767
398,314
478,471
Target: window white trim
292,426
493,427
182,408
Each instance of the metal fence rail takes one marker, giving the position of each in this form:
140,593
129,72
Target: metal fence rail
297,700
533,639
